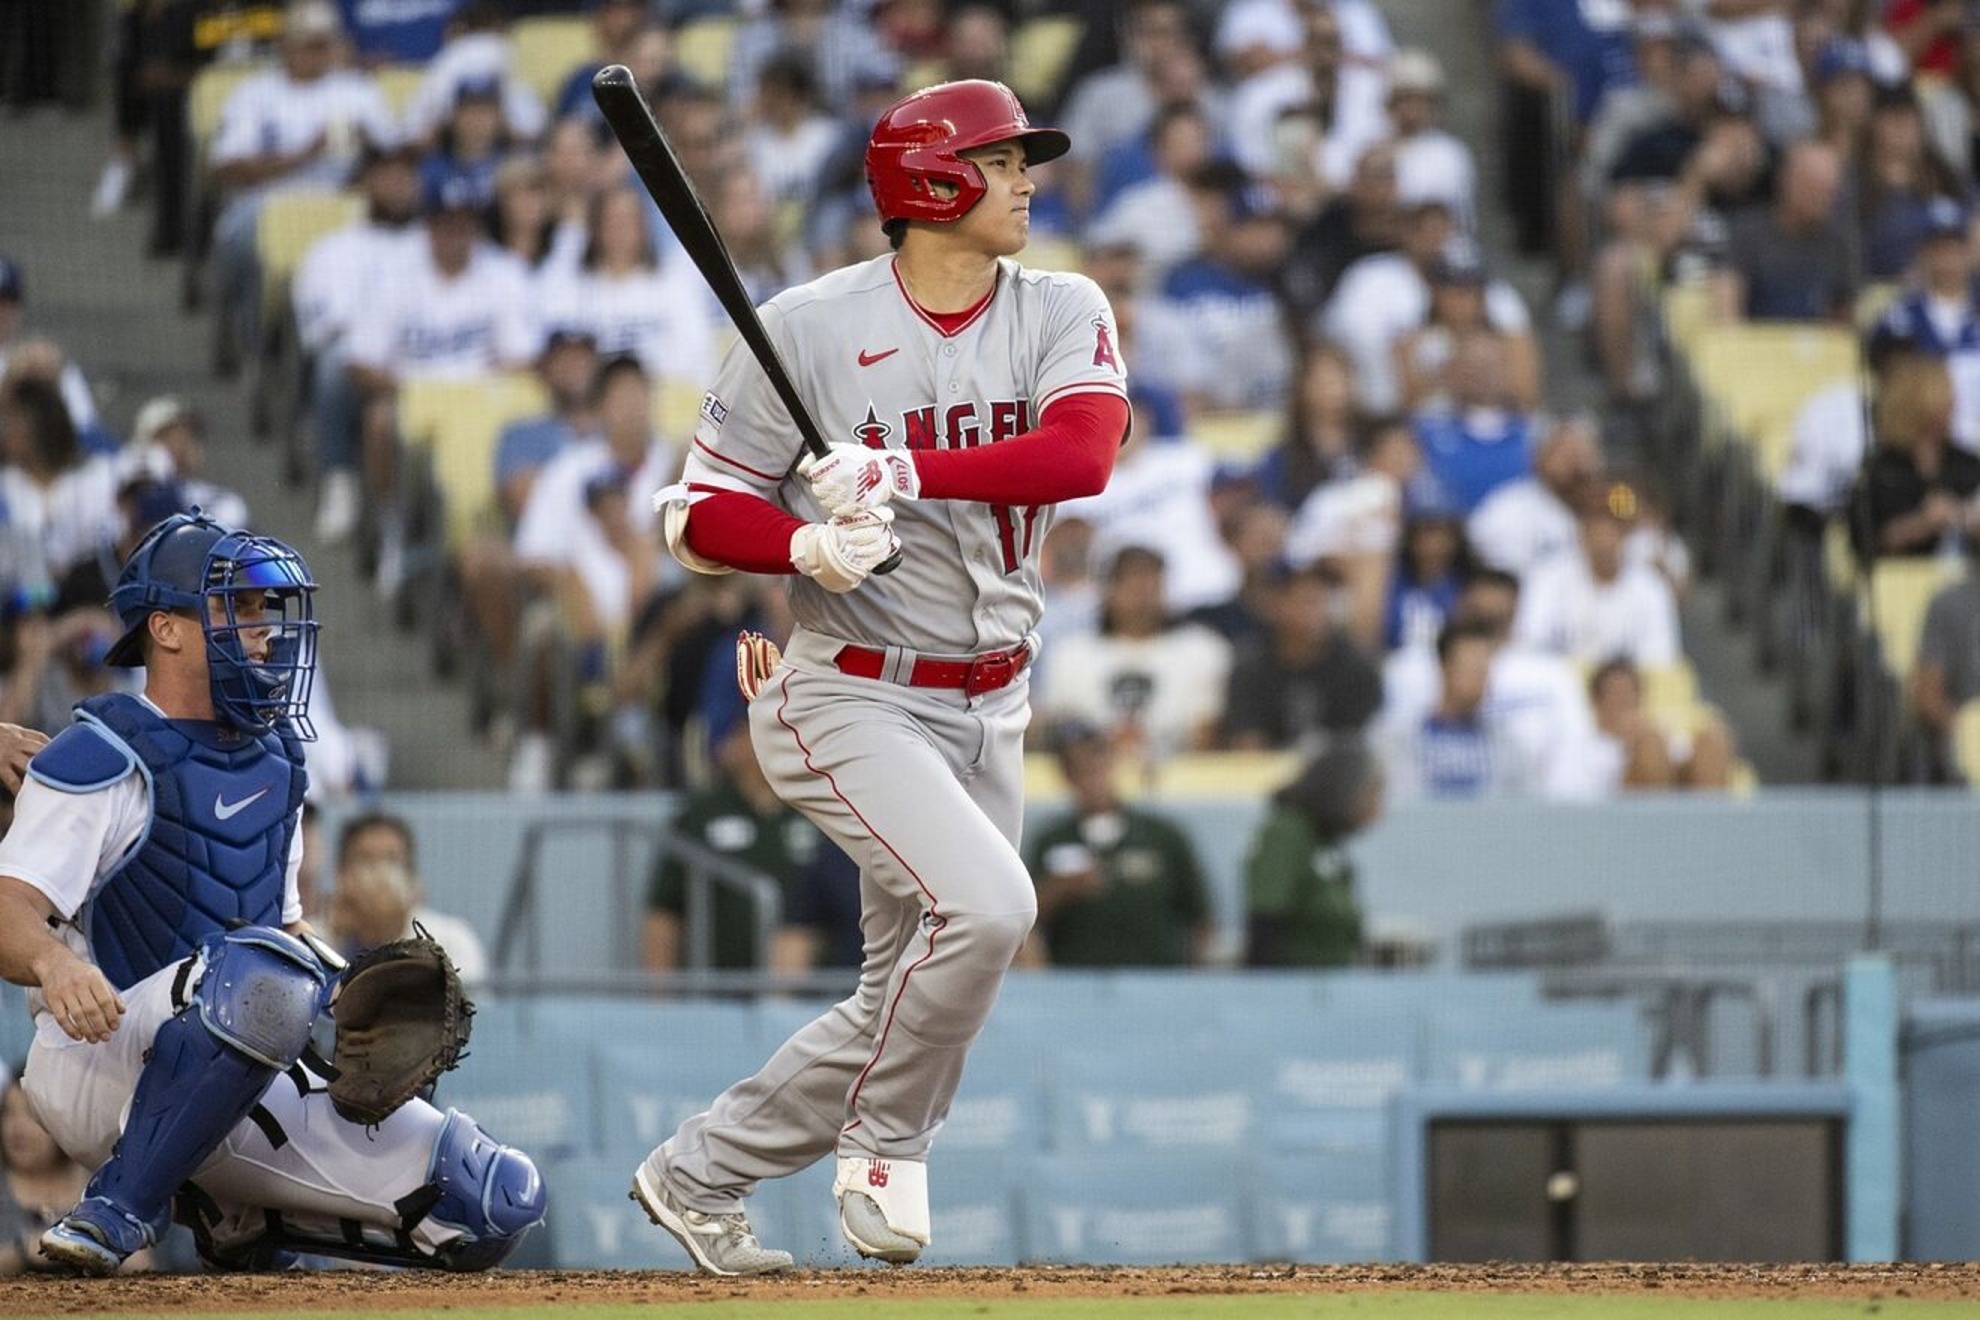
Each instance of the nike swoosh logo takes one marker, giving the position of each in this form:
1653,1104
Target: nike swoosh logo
867,359
228,810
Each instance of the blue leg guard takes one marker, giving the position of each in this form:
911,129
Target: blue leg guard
247,1022
489,1191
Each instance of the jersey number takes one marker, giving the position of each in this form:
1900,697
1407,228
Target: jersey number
1015,525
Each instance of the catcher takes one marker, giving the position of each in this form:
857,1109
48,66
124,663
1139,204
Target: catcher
148,899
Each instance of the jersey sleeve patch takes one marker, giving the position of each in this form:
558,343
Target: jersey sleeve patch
80,760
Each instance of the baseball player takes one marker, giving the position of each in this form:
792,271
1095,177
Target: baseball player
967,396
148,897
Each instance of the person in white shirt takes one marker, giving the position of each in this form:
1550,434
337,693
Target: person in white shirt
378,896
788,139
302,125
341,275
1156,214
1462,747
477,51
168,443
1112,106
1158,687
53,494
1531,519
1430,162
1594,605
630,303
1352,93
458,308
1356,523
1383,297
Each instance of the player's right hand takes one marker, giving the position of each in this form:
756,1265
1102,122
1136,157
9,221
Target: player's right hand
853,478
84,1003
840,554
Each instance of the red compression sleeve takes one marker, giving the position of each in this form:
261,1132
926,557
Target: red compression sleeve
1069,454
746,532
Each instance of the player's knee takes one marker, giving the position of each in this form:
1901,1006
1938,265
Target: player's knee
992,937
491,1193
260,993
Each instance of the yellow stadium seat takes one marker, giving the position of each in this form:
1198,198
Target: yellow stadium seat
1670,696
1838,558
397,83
1966,743
1237,437
208,97
1759,376
1040,51
1230,776
702,50
289,224
547,50
457,423
1052,253
1870,304
1899,592
676,408
1687,311
925,73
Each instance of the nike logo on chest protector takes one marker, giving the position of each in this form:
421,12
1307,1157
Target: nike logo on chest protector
226,810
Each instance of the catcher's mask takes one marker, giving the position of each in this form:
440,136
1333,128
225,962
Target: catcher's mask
191,563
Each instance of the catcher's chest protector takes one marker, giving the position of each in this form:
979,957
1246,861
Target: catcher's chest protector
223,808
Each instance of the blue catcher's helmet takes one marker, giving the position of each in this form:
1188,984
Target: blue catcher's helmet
190,562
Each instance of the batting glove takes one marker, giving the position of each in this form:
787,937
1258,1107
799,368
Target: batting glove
840,554
852,477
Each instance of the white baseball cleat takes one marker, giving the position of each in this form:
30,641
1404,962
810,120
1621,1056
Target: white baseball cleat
883,1207
720,1244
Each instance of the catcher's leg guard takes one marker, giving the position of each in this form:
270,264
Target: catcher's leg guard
490,1192
246,1022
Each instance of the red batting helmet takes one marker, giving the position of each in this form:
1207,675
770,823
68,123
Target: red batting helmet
920,141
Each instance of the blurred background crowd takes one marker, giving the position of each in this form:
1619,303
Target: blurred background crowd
1409,511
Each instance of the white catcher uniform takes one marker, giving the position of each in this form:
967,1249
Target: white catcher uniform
921,784
324,1171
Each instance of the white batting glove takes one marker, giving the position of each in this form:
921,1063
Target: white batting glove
852,477
840,554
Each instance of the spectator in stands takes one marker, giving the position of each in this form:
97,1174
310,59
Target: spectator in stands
577,165
1383,297
1321,431
1361,220
1425,357
158,53
977,44
1430,162
340,276
1482,440
1899,187
1116,105
1941,316
629,303
37,1183
59,660
471,145
1946,674
1156,214
379,897
1793,260
616,28
1594,605
1429,574
838,43
821,923
1463,748
1530,519
459,308
302,125
69,376
1256,533
1179,78
788,136
1642,102
48,485
1157,685
1828,438
1633,754
1322,89
1844,95
748,225
1354,524
1952,104
1117,886
1065,569
168,443
1300,904
1916,493
523,224
1215,335
477,50
1662,148
740,818
1305,683
397,31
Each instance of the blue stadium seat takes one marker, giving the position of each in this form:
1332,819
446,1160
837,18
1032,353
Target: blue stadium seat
1185,1206
1562,1046
1323,1209
1149,1092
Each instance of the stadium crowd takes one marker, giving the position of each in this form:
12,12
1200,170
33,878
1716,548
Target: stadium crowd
1346,526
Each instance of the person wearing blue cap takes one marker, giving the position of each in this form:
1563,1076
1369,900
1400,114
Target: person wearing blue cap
472,144
148,898
1941,315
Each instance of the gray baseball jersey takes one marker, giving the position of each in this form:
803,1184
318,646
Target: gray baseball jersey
921,785
877,371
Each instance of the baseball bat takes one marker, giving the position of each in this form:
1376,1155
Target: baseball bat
659,169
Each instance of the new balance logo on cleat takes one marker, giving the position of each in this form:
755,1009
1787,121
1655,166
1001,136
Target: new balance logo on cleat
877,1175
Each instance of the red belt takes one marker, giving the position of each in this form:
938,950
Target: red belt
974,674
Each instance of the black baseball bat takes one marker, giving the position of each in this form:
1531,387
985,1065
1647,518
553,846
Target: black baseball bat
653,159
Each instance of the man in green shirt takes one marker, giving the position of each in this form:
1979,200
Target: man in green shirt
1117,887
740,816
1299,881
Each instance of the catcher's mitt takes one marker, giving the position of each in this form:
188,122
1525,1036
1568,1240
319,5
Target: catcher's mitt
402,1020
757,657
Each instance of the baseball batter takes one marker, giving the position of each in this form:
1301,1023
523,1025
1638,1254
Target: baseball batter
148,897
966,396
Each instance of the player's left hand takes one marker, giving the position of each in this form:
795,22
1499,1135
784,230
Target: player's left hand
852,478
17,747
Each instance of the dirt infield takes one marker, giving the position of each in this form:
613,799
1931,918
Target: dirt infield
368,1292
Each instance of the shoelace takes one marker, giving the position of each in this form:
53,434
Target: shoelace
736,1230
